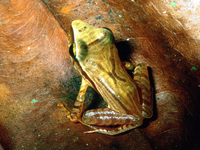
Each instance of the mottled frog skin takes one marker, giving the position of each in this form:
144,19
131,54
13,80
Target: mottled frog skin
129,100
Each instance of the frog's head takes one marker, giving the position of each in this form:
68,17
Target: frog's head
87,40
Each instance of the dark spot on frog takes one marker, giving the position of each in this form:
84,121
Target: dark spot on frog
82,29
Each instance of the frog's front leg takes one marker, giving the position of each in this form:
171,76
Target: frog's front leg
75,114
106,117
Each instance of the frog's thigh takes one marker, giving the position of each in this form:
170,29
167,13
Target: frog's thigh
141,78
106,117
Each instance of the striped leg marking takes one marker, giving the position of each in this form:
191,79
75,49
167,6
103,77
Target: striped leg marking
141,78
105,117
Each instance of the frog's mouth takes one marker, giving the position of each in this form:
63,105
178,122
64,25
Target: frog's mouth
71,44
71,36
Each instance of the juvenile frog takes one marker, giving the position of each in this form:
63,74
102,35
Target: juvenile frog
129,100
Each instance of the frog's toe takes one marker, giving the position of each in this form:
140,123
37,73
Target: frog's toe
92,131
97,130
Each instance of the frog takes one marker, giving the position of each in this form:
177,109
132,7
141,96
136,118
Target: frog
129,98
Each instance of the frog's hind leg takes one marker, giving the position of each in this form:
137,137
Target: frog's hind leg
141,78
111,122
118,130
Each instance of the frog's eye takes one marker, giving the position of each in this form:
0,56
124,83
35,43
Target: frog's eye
78,50
105,35
72,51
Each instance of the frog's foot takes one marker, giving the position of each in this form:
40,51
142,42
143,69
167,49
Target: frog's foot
70,116
65,109
121,129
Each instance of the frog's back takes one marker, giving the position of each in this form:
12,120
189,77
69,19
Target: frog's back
101,66
111,80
